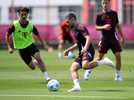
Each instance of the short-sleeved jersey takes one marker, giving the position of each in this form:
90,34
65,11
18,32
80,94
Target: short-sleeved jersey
65,28
22,36
11,29
80,32
111,18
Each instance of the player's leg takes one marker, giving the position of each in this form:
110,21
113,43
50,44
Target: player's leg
42,65
88,72
95,63
118,66
116,48
60,47
75,77
26,57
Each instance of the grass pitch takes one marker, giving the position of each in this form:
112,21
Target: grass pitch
19,82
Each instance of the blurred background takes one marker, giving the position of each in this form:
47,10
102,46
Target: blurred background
47,15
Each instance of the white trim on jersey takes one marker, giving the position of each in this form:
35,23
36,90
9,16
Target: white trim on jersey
116,35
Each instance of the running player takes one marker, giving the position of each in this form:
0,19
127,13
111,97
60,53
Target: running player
23,41
86,51
107,22
65,33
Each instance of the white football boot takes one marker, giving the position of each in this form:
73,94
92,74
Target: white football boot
109,62
75,89
48,79
87,74
118,78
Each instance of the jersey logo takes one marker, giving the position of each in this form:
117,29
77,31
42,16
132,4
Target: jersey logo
108,20
19,31
24,34
82,29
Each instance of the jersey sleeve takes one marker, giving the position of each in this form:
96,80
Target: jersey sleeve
35,31
117,21
97,20
83,31
11,29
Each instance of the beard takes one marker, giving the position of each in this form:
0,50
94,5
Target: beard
72,26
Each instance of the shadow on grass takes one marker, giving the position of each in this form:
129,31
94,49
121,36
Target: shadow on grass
104,90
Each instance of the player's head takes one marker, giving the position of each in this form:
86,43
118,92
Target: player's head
105,4
23,12
71,20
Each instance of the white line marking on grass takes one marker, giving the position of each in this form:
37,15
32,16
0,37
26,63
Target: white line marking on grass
69,96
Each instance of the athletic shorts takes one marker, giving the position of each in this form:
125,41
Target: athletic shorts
28,52
113,43
86,56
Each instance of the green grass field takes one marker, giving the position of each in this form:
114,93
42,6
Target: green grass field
18,82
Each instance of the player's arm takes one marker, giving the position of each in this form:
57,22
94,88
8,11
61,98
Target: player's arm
70,49
121,33
44,43
8,33
8,42
104,27
35,31
100,28
88,41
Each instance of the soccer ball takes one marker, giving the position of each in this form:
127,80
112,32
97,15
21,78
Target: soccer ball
53,85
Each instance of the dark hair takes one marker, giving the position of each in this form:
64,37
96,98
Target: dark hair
21,8
70,15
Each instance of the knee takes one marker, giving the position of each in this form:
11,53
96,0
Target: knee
71,69
61,42
118,57
84,66
39,59
33,68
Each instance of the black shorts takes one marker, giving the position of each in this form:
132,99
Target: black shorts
28,52
113,43
86,56
68,38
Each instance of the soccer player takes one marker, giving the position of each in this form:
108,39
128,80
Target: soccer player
23,41
107,22
86,51
65,34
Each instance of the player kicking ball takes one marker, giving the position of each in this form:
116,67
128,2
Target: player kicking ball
86,51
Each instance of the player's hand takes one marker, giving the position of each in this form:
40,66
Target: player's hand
123,42
66,52
83,51
10,50
107,27
46,47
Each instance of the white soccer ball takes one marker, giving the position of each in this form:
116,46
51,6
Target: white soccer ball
53,85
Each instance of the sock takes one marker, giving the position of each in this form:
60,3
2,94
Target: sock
117,73
76,83
101,62
36,61
88,71
45,74
60,54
